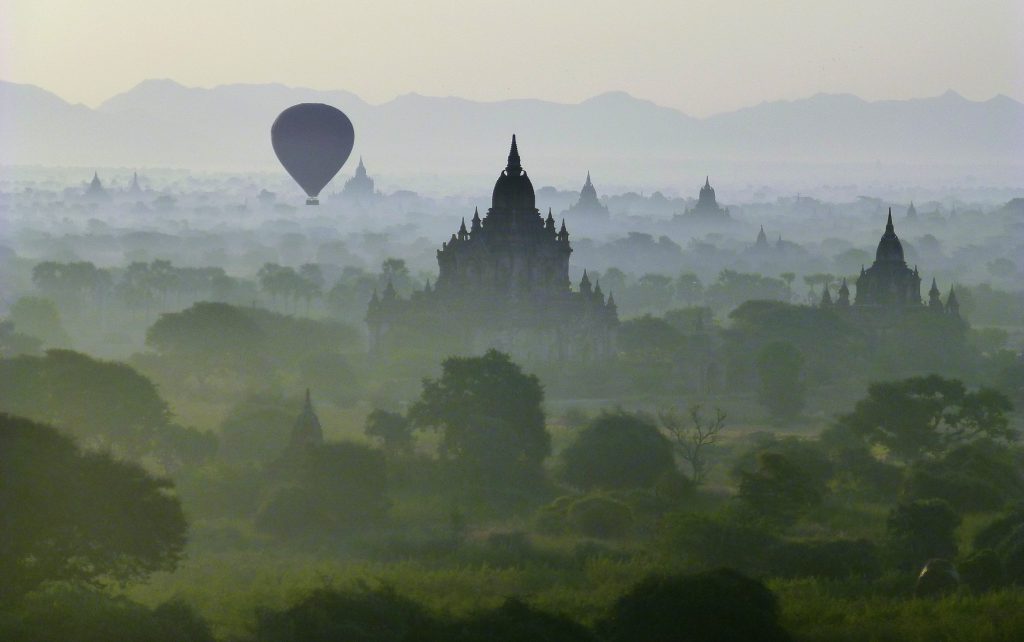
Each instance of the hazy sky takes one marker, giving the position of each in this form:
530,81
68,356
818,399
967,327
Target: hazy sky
702,56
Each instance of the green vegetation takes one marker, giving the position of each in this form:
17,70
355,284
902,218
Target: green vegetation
465,496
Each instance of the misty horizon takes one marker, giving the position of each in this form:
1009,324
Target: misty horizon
611,91
630,144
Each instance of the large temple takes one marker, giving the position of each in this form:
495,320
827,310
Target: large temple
504,283
889,284
889,281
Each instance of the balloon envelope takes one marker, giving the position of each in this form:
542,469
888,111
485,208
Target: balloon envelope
312,141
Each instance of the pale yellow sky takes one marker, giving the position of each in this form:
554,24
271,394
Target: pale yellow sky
702,56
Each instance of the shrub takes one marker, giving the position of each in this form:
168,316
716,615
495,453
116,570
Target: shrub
363,615
782,392
982,571
600,517
1012,554
973,477
829,559
921,530
617,450
332,489
720,605
714,540
63,613
780,489
516,621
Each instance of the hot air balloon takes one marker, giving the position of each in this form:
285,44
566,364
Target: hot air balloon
312,141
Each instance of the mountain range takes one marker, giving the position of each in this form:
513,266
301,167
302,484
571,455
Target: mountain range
160,123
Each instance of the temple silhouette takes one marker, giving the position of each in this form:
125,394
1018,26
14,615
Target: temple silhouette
890,284
360,186
96,191
589,206
504,283
707,207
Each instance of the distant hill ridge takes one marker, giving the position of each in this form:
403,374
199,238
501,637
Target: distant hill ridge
160,123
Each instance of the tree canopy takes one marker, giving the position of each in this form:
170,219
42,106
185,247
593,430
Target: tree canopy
102,403
618,450
928,415
491,416
79,517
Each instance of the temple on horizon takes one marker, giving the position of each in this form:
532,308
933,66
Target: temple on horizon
359,186
589,206
96,191
504,283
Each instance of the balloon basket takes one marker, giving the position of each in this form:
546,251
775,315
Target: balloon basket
312,201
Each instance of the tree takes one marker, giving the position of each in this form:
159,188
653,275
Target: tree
39,318
653,292
689,289
392,429
13,343
491,417
210,338
780,489
329,374
257,428
691,440
921,530
733,288
929,415
312,286
976,476
617,450
331,490
104,404
79,517
788,278
778,366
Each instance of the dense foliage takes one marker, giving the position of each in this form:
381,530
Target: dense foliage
81,517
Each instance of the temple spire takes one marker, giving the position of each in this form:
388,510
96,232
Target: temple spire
888,224
585,288
707,181
826,297
844,294
952,305
513,156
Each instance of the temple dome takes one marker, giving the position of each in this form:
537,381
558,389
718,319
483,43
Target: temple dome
513,189
889,247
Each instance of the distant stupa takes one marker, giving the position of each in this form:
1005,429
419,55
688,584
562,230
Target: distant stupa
307,430
96,191
359,186
588,205
707,207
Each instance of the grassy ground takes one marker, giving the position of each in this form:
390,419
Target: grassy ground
227,589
